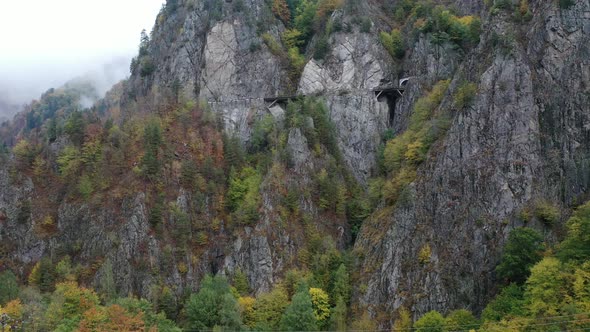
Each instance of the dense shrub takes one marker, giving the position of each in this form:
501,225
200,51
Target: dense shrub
260,140
441,23
274,47
8,287
321,48
575,246
523,250
366,25
393,43
25,153
464,95
424,254
69,162
85,186
214,305
547,212
243,196
292,38
432,321
297,63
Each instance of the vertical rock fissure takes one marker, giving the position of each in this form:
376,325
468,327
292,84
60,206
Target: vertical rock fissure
391,100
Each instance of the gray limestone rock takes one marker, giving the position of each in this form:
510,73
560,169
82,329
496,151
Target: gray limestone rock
498,157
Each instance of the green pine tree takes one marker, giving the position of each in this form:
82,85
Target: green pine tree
241,284
46,275
107,282
167,303
213,306
522,251
338,316
229,313
75,127
52,130
8,287
341,285
299,315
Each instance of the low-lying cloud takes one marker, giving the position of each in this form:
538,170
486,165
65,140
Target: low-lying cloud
22,85
56,41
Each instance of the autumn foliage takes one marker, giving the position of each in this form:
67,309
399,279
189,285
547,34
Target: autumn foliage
112,318
281,10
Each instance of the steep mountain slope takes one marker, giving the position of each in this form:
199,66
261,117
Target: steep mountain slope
185,169
519,146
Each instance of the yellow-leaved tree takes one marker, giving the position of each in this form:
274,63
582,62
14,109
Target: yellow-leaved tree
321,305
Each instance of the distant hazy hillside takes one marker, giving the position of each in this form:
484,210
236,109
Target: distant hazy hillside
16,93
7,108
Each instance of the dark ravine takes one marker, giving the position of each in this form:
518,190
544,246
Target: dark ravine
524,140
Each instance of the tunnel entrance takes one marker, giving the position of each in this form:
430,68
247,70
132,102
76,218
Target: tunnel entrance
390,95
391,107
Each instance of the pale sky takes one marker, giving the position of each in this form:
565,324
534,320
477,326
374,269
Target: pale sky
44,43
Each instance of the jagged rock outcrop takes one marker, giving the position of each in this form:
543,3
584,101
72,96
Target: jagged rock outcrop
523,140
213,50
357,62
234,70
356,65
360,120
14,214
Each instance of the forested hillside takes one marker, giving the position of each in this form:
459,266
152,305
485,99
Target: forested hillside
191,197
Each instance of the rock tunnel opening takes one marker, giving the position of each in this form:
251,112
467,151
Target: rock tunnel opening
390,92
391,100
391,106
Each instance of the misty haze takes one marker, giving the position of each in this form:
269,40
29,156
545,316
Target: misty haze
22,85
64,40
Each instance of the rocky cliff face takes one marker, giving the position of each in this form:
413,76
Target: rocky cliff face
220,57
522,141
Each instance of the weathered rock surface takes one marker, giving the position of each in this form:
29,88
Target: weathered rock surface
360,120
15,195
523,139
355,63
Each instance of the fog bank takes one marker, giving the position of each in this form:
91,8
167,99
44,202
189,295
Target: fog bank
47,43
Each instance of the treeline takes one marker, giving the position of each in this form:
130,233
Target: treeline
441,23
544,288
54,301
